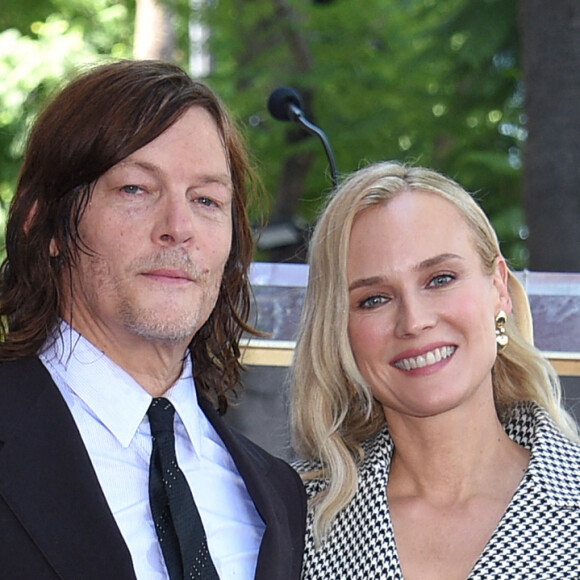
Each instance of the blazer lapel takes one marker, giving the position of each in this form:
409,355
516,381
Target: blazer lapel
47,478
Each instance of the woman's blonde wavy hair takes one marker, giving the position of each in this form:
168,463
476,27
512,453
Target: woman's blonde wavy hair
332,408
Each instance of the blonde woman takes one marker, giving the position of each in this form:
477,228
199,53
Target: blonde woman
435,443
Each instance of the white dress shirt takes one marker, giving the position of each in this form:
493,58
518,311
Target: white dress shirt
110,410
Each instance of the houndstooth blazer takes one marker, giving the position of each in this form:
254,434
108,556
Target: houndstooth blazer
537,538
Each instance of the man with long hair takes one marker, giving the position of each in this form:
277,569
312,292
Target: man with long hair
123,297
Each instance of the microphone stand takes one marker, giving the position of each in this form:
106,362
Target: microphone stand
285,104
298,117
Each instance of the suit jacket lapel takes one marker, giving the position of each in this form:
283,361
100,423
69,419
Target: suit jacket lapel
276,551
48,480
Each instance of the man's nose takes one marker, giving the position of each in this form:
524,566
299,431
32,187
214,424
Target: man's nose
174,224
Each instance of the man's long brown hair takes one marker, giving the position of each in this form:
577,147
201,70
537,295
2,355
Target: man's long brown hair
97,120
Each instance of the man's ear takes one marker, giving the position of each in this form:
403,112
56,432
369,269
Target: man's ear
500,282
53,247
30,217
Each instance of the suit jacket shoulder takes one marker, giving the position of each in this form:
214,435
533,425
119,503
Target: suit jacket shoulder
54,518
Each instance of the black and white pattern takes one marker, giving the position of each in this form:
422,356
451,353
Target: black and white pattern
538,537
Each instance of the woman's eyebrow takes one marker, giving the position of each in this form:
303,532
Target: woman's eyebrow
424,265
436,260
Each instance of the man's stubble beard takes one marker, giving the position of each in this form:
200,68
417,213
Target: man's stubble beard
150,323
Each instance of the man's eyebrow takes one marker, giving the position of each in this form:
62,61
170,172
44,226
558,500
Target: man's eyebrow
220,178
424,265
139,164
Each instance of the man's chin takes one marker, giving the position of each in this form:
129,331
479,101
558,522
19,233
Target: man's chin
162,329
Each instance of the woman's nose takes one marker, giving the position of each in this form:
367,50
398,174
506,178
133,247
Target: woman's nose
415,315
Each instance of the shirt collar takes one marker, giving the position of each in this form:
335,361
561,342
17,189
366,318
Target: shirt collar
555,460
111,394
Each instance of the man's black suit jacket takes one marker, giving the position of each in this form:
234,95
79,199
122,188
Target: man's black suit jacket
54,519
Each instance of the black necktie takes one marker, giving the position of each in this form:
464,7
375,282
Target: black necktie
177,521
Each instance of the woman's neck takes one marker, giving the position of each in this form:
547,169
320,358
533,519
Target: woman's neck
453,456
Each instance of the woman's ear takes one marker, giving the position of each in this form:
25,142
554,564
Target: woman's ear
500,282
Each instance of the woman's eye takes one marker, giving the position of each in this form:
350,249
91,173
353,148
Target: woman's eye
372,302
441,280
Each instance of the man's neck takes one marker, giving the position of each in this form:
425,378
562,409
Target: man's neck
155,365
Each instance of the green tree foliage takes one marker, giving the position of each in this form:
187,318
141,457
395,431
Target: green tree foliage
41,45
434,83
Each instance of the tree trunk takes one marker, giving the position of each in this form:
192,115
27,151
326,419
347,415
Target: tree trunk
550,32
291,185
154,31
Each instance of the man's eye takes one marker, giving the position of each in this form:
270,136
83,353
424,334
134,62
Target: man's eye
131,189
206,201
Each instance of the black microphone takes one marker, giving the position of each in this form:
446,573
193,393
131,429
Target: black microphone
285,104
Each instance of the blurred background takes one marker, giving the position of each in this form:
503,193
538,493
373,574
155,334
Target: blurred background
485,91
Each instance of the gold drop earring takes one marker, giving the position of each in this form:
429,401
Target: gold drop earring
501,337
